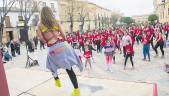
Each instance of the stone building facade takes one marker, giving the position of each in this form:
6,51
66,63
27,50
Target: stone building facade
14,21
92,12
161,8
141,18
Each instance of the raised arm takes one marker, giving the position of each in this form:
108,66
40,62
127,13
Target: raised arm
62,33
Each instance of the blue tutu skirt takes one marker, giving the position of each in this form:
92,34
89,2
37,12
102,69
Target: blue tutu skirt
62,55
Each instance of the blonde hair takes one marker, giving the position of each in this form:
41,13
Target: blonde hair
47,17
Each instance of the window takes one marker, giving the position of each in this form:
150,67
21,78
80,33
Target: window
20,21
20,18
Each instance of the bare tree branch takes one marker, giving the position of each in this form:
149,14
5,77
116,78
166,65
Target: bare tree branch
6,8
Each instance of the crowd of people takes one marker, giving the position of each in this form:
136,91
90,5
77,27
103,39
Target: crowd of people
13,48
119,38
122,39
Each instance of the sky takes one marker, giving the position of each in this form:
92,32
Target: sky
127,7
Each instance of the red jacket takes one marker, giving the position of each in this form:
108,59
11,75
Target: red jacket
69,39
81,40
159,38
145,40
87,54
103,41
129,49
73,39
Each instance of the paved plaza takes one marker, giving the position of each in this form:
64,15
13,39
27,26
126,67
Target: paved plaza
38,81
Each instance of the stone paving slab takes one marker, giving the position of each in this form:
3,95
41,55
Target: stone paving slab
14,92
39,83
94,87
21,80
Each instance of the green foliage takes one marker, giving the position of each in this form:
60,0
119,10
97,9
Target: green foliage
127,20
152,18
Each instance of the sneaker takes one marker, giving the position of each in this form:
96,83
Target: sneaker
58,83
76,92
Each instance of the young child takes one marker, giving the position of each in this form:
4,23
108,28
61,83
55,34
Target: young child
87,55
77,50
118,44
109,49
129,54
114,45
91,48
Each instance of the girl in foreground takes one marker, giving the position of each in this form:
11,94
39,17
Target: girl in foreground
109,52
129,54
60,53
88,55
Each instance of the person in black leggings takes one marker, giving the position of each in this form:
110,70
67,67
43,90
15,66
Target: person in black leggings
72,77
160,43
98,46
129,54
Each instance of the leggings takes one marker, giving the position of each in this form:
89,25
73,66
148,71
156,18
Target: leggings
161,45
138,39
124,51
152,44
109,59
131,59
98,48
72,77
167,35
88,61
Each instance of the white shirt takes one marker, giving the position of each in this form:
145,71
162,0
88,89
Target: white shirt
126,40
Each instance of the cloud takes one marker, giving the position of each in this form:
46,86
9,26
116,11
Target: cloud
128,7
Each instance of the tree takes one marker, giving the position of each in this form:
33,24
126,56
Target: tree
95,21
35,20
102,21
4,10
127,20
99,19
113,19
152,18
82,15
71,12
27,9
